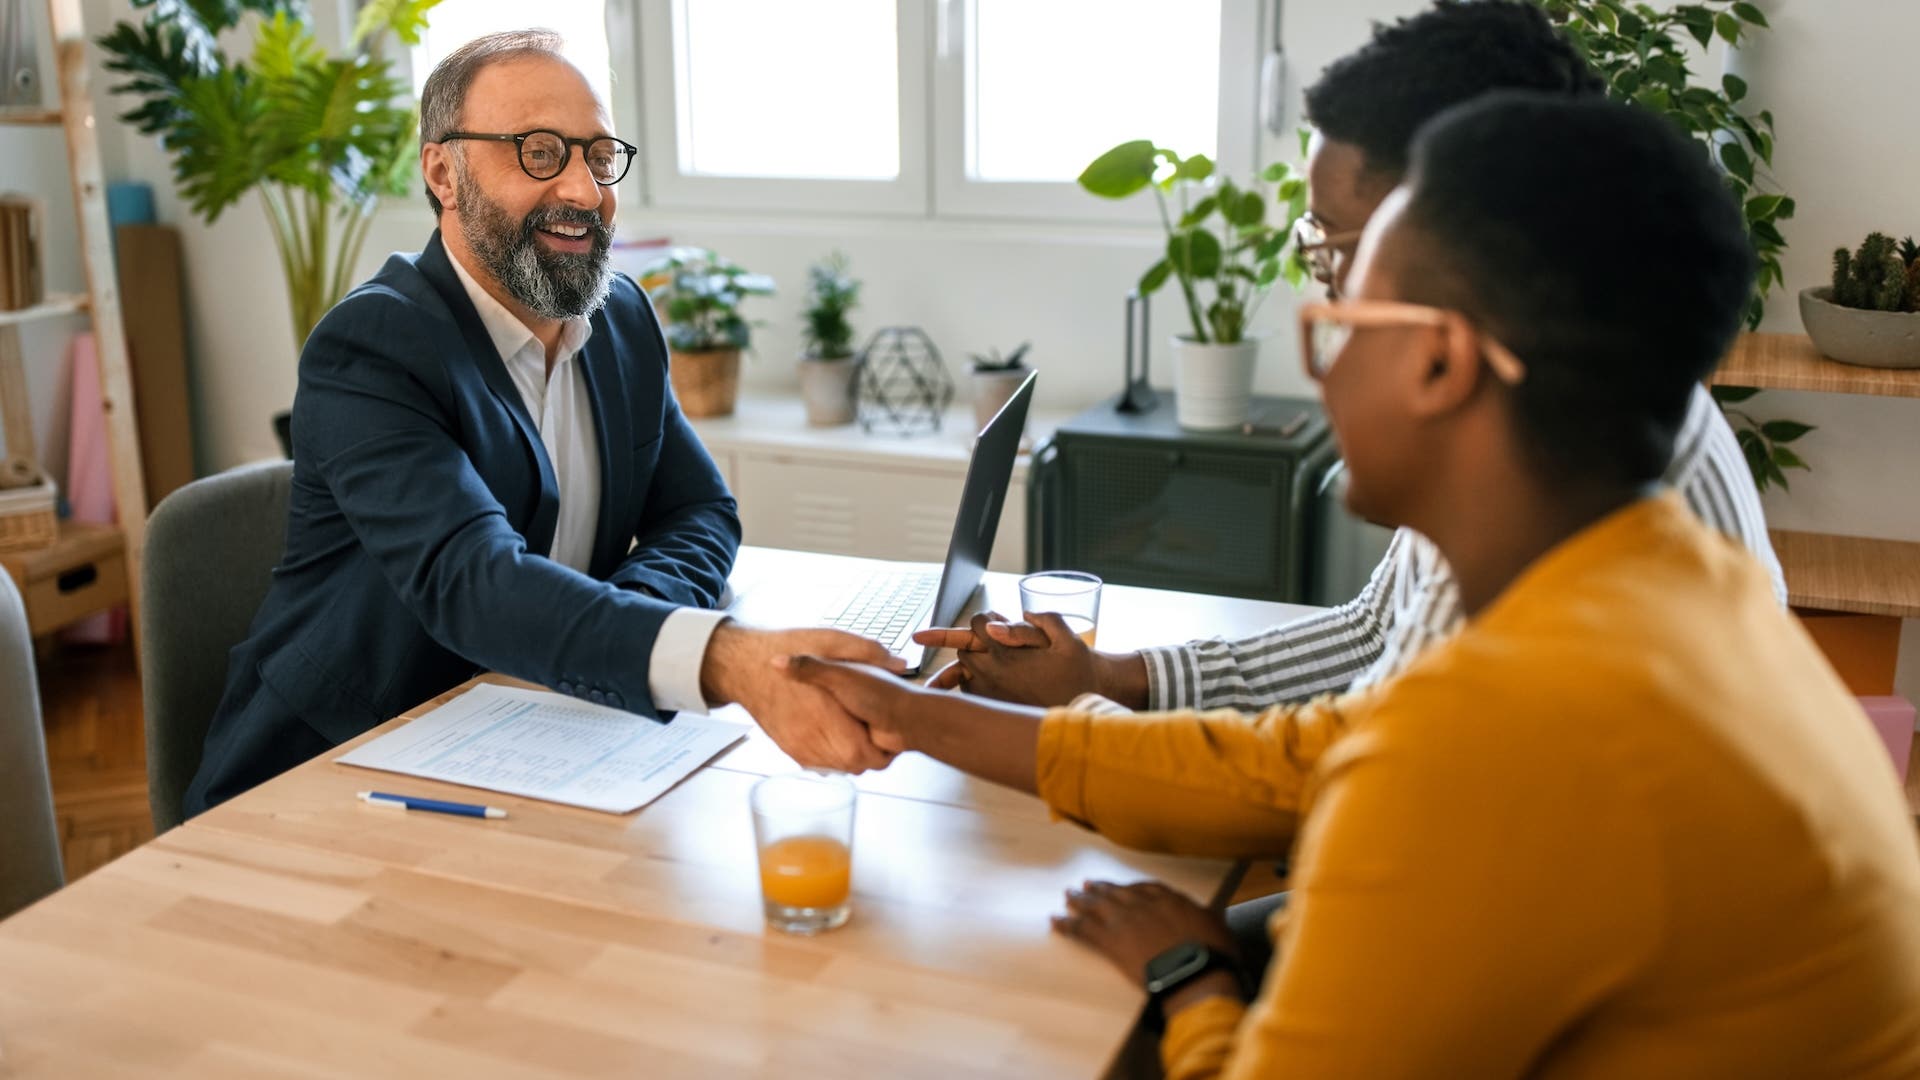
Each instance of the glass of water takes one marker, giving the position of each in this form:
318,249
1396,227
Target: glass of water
1070,594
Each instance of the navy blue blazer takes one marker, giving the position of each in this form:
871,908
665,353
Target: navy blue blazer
423,507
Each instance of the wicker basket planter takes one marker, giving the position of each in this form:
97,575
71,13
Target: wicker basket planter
706,382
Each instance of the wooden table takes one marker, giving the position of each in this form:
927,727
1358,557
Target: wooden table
296,932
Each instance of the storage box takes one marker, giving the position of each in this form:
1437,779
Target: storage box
27,520
84,571
1892,717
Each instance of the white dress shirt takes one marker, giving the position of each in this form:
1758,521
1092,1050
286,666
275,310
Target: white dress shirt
562,411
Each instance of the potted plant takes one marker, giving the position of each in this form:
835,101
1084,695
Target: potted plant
1870,314
827,366
322,138
700,296
995,378
1224,250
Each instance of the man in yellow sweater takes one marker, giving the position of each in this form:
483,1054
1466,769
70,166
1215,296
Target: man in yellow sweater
1627,823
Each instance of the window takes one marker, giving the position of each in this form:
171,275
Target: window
799,97
776,104
963,108
1030,91
1021,76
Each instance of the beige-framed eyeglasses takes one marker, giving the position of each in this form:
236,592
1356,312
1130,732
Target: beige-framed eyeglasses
1325,330
1318,246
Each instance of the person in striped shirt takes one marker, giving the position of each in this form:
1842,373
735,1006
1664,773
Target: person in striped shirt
1364,111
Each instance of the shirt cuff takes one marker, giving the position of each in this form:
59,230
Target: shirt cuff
1099,706
1173,677
673,672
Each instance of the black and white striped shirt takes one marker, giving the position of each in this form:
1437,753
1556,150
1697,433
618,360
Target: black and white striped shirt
1411,601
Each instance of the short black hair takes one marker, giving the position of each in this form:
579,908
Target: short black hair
1418,67
1598,242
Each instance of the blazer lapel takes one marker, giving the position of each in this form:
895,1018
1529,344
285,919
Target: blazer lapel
437,267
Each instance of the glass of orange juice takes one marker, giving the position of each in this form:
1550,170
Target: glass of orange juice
1070,594
803,824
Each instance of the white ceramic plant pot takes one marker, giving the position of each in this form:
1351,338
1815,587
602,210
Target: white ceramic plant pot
1213,384
826,386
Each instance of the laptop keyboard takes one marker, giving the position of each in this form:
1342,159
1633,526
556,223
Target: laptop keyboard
887,607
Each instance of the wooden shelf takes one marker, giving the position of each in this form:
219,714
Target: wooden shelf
1790,362
55,305
1850,573
45,117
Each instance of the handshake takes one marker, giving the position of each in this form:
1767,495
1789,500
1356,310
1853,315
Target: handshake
834,700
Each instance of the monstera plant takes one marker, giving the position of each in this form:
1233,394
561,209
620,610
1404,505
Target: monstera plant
321,137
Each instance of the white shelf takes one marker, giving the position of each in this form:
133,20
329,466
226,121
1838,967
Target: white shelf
54,306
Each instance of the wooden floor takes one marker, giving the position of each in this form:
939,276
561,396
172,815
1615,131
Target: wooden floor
90,699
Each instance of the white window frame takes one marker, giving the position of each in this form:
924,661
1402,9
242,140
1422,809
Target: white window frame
661,48
955,195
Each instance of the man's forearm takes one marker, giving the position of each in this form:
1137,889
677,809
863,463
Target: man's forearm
993,741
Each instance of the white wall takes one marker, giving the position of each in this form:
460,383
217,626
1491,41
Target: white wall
1836,73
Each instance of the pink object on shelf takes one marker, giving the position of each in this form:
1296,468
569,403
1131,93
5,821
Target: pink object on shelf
1893,718
90,477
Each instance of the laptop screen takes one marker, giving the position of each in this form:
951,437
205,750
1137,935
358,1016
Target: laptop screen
988,476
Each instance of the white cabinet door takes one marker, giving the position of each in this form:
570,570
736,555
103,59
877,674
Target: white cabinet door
874,511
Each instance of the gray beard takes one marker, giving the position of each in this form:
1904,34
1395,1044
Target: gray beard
553,285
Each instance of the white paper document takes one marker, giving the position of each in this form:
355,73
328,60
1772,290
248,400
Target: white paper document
545,746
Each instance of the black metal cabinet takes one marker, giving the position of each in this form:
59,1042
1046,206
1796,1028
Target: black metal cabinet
1139,501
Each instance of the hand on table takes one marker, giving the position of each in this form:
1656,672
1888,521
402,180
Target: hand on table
806,722
1132,924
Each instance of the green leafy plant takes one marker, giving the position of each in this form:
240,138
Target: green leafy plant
1240,262
320,137
1644,53
831,293
991,360
701,294
1881,276
1764,442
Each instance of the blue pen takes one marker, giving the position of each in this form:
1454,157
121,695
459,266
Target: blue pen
438,806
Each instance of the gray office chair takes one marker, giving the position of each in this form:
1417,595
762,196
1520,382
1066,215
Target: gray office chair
211,549
29,839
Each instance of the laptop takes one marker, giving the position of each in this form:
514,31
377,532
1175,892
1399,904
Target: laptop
891,606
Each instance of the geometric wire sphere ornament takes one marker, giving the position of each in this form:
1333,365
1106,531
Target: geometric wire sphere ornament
903,385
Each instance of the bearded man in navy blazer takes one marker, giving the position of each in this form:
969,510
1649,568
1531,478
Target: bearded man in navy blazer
490,470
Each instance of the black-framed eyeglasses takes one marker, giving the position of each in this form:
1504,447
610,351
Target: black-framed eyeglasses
1319,246
545,154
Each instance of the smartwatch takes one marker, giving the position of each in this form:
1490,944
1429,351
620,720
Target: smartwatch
1182,964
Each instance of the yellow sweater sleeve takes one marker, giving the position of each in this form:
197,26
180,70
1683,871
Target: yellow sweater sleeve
1218,783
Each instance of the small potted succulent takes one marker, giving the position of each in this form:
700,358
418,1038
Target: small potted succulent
827,367
699,296
995,378
1870,314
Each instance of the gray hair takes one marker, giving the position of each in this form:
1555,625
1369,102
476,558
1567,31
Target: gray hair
444,97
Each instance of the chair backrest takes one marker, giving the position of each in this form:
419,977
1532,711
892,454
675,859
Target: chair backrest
211,549
29,839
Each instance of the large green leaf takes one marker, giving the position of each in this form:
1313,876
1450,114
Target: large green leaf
407,19
220,143
1195,253
1121,171
1155,277
1246,208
